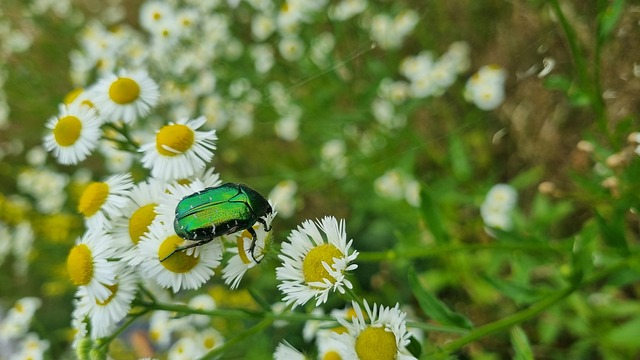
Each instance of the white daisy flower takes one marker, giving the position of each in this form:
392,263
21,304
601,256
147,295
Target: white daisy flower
201,302
88,264
154,14
381,333
313,264
283,194
184,349
245,257
179,150
208,340
208,177
126,96
104,200
31,347
284,351
75,132
78,325
16,321
182,270
136,217
104,315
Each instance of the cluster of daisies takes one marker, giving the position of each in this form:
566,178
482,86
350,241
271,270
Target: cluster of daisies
129,226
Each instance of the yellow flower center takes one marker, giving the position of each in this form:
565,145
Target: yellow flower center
154,335
179,262
375,343
93,197
80,265
72,95
124,91
114,290
67,130
312,265
19,308
140,221
174,139
209,342
241,250
331,355
156,15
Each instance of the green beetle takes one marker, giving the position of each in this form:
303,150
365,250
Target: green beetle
217,211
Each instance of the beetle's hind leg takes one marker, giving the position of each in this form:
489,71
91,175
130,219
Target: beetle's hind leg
186,247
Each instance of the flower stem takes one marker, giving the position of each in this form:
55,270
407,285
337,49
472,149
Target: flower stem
446,249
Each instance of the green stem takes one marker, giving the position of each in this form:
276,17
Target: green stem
530,312
104,342
509,321
352,296
129,143
244,335
435,251
231,313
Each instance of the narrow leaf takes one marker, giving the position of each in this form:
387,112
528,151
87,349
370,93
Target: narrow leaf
520,343
433,307
609,18
432,217
612,231
518,292
460,164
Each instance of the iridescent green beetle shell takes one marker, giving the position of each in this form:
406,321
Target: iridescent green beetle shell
218,211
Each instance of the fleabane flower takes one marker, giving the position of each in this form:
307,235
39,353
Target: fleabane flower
179,150
89,266
16,321
244,257
75,132
285,351
497,208
103,200
183,269
485,88
105,314
136,218
315,260
126,96
380,334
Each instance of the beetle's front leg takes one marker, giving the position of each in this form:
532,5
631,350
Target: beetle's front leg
254,238
264,224
186,247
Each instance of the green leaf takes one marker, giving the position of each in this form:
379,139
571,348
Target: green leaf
459,160
518,292
527,178
414,347
625,335
558,82
433,307
608,19
612,231
431,216
520,343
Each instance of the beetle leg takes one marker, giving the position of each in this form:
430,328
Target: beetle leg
264,224
185,247
254,238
